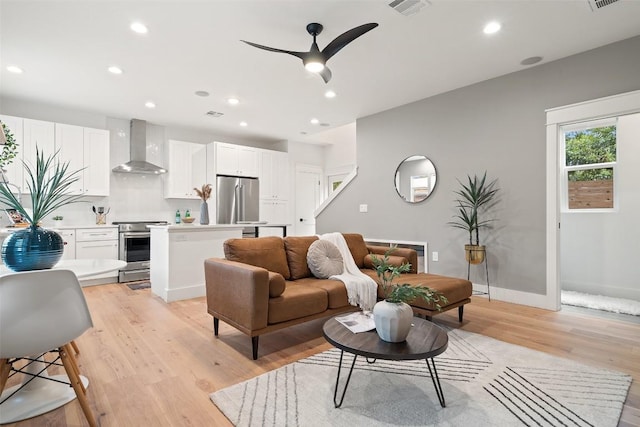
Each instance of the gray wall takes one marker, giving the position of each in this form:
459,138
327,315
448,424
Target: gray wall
498,126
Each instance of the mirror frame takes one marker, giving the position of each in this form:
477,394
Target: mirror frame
407,197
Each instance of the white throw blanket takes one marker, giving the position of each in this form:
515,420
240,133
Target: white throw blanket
362,290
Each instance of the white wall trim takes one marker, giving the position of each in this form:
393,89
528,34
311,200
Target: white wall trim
347,180
610,106
516,297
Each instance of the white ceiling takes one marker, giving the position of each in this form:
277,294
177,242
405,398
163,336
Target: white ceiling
65,48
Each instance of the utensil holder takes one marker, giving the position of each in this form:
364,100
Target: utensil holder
101,218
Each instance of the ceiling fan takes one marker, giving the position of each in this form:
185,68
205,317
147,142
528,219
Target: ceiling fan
315,60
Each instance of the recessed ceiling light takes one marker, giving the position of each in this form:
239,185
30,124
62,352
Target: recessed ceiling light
150,104
139,28
202,93
244,124
330,94
233,101
14,69
115,70
492,27
314,121
531,60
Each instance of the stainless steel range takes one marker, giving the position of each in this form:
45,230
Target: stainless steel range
135,249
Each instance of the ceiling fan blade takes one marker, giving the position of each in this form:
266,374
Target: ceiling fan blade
300,55
325,74
344,39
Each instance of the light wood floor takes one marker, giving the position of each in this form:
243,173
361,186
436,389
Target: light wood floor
154,364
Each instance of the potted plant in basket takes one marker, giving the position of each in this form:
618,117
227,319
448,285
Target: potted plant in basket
392,316
475,198
49,185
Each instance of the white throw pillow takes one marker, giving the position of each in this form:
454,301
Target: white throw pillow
324,259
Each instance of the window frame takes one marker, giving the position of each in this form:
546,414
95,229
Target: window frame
564,169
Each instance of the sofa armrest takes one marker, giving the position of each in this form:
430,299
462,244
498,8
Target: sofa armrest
409,254
238,293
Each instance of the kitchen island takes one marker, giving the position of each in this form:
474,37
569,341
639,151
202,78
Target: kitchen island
178,253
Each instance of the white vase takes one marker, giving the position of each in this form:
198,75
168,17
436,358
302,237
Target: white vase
393,320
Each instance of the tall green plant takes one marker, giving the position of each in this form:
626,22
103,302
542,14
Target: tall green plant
49,187
474,198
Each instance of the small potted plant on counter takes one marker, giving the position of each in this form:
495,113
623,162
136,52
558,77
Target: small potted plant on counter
392,316
58,221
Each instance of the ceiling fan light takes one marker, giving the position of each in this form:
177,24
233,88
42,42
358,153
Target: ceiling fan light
314,66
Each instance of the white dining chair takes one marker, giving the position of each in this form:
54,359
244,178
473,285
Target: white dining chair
42,312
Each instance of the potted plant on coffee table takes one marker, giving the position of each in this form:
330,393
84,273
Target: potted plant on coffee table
392,316
474,199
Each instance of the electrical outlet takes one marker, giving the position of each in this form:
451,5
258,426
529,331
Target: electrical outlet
364,208
434,256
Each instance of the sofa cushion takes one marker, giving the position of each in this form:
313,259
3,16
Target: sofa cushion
335,289
265,252
324,259
296,302
276,284
296,248
357,247
395,261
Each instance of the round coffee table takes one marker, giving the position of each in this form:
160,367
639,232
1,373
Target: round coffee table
425,341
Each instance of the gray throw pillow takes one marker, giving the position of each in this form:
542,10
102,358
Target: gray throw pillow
324,259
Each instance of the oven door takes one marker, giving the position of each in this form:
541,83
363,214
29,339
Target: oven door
135,249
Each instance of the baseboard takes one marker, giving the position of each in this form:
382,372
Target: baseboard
187,292
513,296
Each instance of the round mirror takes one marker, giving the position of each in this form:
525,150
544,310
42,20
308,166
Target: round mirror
415,179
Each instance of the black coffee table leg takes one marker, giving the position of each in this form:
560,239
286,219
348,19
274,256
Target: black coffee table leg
436,380
344,390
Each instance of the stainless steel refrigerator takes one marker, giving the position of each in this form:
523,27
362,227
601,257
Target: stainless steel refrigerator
238,200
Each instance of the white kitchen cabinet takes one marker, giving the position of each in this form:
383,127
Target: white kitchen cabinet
97,243
69,239
274,175
36,134
274,211
187,164
97,174
237,160
70,145
14,169
86,149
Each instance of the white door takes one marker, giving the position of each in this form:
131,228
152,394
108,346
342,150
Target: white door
308,187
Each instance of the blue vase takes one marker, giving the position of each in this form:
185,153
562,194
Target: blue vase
204,213
33,248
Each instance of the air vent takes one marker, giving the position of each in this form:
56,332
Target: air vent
214,114
599,4
409,7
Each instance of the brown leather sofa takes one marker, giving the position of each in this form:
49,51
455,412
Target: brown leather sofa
264,284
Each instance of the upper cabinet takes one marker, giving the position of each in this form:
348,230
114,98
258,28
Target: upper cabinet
274,175
83,148
236,160
86,149
187,169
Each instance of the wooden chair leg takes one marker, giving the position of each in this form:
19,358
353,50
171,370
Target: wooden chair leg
5,370
73,361
254,347
76,383
75,347
460,313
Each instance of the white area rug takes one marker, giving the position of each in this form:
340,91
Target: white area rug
485,382
600,302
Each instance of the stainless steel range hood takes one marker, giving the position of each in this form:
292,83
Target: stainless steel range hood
138,152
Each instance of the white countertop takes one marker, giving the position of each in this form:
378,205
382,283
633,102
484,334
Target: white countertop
196,226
